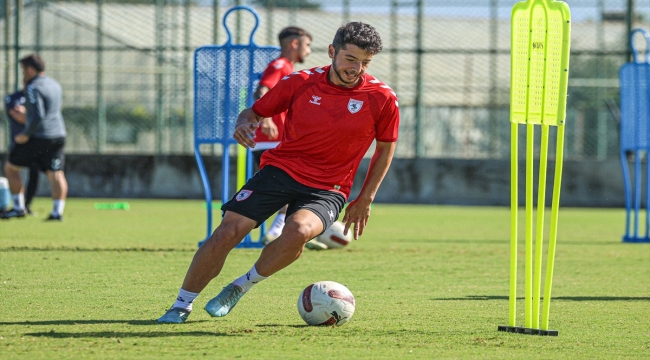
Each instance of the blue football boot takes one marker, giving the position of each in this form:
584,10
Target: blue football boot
223,303
174,316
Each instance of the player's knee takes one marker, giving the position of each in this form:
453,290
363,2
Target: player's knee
302,232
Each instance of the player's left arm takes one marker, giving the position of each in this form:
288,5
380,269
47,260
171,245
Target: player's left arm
358,211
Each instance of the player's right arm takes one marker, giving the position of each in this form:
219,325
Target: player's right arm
247,123
19,114
267,125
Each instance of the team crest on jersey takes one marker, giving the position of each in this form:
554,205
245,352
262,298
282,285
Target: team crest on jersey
354,105
243,195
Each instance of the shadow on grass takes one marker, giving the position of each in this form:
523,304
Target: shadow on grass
82,249
557,298
122,334
283,325
87,322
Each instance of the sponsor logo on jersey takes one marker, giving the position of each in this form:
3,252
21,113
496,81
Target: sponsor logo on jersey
354,105
243,195
315,99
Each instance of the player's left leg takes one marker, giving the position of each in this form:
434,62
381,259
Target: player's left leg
32,187
301,226
59,193
53,161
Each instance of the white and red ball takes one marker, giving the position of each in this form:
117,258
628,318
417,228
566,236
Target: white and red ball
326,303
333,236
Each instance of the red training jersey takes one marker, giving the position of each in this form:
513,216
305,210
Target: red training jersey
276,70
328,128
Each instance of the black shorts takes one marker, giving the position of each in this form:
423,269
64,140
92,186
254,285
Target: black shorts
272,188
46,154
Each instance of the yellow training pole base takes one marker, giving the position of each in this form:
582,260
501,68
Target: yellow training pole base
528,331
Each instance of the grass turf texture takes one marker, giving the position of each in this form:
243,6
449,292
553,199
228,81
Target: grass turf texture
430,282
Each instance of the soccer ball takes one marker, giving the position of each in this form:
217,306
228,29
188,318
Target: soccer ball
333,236
326,303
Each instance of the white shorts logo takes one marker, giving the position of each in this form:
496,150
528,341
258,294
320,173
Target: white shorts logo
243,195
354,105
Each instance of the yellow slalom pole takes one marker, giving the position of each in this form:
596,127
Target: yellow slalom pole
539,238
514,207
528,283
539,72
242,152
555,207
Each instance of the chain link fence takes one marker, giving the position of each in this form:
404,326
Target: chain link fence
126,66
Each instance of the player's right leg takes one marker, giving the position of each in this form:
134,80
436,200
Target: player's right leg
207,263
12,172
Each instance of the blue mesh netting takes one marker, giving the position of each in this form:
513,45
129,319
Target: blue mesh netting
635,106
224,79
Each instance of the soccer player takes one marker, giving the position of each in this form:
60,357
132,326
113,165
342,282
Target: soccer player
335,112
16,126
42,140
294,48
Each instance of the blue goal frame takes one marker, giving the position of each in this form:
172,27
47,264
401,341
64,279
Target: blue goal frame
225,77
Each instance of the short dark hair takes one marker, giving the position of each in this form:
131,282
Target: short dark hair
33,61
357,33
292,32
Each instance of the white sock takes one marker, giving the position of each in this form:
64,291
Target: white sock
278,224
246,281
59,205
185,300
19,201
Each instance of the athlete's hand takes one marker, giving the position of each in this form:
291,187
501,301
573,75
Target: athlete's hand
21,138
357,213
269,129
18,113
247,123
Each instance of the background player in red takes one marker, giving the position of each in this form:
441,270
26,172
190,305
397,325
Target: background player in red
294,48
335,113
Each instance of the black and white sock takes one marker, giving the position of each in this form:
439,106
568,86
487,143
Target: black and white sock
185,300
246,281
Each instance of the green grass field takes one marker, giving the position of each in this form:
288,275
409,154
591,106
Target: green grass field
430,282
